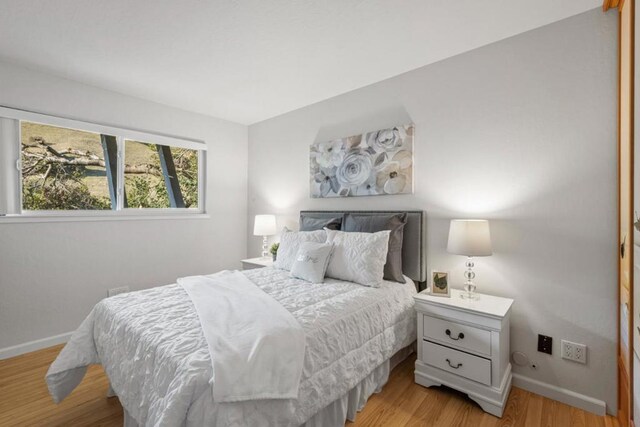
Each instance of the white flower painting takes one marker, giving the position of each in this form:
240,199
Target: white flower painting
371,164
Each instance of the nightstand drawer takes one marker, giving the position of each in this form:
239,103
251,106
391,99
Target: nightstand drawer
457,362
457,335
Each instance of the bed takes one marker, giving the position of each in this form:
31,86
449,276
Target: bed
152,347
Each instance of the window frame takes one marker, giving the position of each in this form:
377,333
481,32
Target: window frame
121,134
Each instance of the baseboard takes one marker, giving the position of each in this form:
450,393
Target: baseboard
563,395
30,346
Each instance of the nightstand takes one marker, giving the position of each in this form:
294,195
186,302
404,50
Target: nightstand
464,344
251,263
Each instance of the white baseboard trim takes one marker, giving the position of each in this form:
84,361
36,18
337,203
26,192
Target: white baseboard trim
30,346
560,394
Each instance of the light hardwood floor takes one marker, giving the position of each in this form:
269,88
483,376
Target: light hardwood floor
24,401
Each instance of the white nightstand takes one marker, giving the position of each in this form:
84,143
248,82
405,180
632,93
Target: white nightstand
251,263
464,344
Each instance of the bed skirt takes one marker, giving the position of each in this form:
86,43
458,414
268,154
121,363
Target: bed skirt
346,407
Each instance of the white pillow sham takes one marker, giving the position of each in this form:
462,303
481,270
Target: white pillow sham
311,261
358,257
290,245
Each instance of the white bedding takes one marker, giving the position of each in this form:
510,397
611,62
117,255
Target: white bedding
251,359
153,350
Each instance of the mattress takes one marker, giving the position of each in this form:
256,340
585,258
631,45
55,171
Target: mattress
152,348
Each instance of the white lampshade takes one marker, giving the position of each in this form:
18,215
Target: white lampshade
264,225
470,237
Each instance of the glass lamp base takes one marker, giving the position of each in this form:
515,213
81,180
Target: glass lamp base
470,296
469,291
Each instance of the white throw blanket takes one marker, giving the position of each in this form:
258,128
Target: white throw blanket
256,345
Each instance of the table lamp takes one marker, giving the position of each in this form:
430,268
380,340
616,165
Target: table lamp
264,225
470,237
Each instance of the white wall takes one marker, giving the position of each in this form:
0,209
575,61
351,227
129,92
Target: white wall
522,132
51,274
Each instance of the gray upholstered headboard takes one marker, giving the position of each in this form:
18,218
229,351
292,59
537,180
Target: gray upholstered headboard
414,264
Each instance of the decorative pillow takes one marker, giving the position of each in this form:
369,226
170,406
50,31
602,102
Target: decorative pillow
290,244
373,223
358,257
311,261
308,223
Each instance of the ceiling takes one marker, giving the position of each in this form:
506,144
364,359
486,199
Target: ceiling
250,60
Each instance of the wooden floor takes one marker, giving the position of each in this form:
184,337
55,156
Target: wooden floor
24,401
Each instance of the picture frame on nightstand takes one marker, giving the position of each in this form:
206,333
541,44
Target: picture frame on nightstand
440,286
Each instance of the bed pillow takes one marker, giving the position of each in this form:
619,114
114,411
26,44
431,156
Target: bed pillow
373,223
358,257
311,261
309,223
290,244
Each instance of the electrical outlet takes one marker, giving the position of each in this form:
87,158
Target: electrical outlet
567,350
116,291
545,344
574,351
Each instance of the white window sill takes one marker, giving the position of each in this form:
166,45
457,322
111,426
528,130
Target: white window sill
133,215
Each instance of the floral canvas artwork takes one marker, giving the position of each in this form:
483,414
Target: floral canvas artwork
370,164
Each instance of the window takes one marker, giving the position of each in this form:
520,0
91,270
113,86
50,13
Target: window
159,176
66,167
63,169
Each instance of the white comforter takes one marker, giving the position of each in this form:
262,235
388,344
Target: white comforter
153,350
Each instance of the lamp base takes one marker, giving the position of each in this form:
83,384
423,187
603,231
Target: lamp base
471,296
265,251
469,287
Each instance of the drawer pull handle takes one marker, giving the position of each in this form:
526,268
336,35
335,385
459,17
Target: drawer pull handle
460,335
454,367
